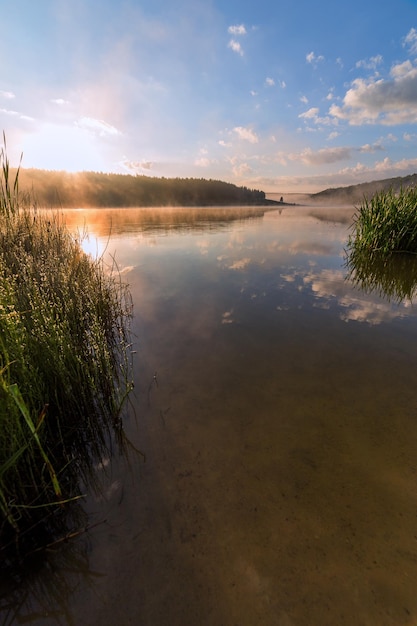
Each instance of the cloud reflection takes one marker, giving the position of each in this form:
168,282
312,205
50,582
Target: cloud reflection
330,287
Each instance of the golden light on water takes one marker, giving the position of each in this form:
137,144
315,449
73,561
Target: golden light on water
92,246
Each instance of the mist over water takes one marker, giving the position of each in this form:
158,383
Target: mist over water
275,403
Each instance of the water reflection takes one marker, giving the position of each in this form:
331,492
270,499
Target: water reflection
279,483
158,220
393,277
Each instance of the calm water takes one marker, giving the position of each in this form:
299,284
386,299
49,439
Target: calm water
276,403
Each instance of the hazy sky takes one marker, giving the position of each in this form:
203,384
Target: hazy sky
279,95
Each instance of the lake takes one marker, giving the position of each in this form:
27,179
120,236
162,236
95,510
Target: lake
275,402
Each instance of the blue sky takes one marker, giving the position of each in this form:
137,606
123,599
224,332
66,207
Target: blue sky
279,95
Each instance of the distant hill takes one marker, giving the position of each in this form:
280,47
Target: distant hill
56,189
354,194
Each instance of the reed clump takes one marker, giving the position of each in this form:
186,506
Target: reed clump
64,365
386,223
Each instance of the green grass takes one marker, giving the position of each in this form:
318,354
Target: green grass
381,253
64,365
386,224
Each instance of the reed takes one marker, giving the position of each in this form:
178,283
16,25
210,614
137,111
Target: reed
64,365
386,223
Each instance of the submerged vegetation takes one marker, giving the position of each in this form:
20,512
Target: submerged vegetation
382,249
95,189
64,367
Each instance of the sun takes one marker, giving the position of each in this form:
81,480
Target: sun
63,147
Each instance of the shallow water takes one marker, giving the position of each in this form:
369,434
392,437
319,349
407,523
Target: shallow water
276,404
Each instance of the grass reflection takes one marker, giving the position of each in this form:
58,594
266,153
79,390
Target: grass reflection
392,276
48,584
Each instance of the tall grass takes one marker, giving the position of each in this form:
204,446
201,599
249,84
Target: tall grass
64,365
386,223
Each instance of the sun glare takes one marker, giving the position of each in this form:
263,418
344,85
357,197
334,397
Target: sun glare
67,148
92,246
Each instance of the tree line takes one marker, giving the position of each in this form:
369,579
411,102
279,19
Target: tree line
52,189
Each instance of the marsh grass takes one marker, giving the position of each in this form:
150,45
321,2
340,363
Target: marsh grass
386,223
381,252
64,367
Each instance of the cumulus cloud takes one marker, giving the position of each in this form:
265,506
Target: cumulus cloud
241,169
246,133
95,126
235,46
269,82
322,156
370,64
314,59
202,162
371,148
238,29
389,101
59,101
7,95
313,115
310,114
136,166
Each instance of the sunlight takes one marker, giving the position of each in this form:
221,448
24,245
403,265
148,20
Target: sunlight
69,148
92,246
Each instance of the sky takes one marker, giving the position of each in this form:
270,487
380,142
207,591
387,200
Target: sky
286,96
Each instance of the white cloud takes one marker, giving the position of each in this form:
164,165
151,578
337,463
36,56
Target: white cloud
313,115
238,29
371,148
269,82
98,127
310,114
246,133
202,162
8,95
235,46
304,99
59,101
389,101
333,135
370,64
312,58
322,156
136,166
410,40
16,114
9,112
241,169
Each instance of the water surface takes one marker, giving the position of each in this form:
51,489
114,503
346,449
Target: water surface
275,402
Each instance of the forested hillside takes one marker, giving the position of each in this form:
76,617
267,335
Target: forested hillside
356,193
53,189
